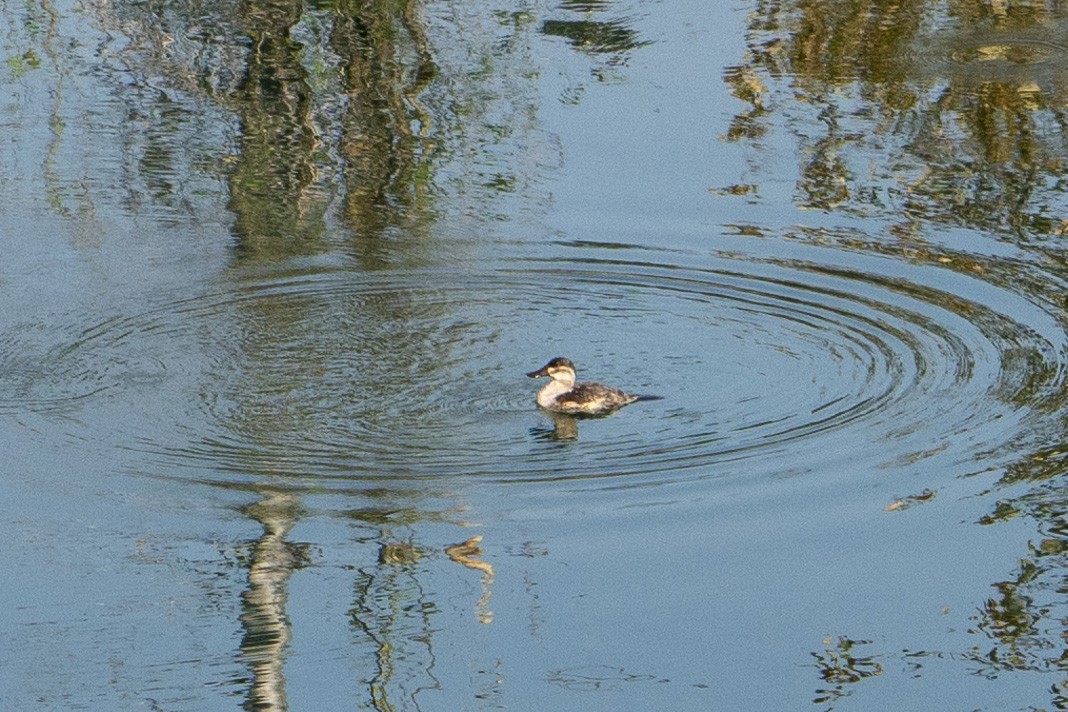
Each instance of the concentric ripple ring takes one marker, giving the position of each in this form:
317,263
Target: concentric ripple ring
350,377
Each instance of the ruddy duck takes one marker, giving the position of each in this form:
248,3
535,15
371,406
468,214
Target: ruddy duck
563,395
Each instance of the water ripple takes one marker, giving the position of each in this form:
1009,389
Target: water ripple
1024,55
774,365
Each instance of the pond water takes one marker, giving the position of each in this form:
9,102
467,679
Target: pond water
274,272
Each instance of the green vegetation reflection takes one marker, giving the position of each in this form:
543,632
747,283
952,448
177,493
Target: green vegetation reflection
944,114
930,118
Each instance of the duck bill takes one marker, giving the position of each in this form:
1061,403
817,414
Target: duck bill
543,371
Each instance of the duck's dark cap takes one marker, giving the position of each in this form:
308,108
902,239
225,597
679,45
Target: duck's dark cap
558,362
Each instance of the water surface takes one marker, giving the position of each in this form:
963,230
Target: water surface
274,273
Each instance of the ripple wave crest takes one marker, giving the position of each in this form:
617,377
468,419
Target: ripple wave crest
775,366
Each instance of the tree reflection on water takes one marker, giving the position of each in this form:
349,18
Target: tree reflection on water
267,631
1025,622
924,110
933,115
340,110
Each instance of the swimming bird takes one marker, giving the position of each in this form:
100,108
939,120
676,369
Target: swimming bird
563,395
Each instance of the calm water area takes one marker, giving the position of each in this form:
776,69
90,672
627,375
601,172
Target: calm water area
274,271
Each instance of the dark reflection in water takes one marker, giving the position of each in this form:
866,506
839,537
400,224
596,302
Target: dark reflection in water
383,155
386,144
393,610
594,37
1021,625
947,116
962,128
276,211
612,37
383,151
842,665
564,427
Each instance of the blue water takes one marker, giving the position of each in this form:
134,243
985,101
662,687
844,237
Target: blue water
274,274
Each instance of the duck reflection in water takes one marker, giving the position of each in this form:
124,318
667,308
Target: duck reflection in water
563,398
565,427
